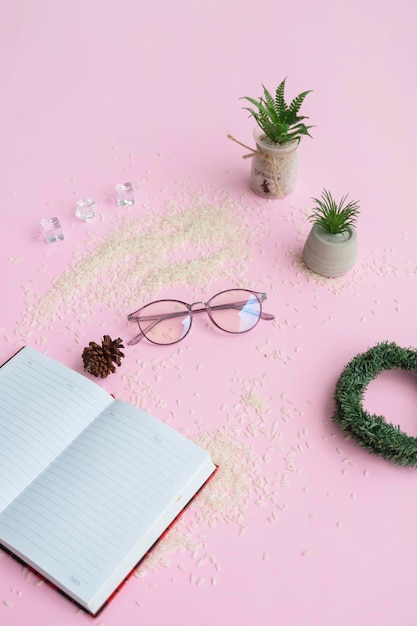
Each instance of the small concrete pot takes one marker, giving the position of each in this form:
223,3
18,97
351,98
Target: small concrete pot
330,255
274,167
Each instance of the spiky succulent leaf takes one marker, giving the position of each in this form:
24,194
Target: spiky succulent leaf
280,122
269,102
298,101
301,129
280,98
257,103
298,133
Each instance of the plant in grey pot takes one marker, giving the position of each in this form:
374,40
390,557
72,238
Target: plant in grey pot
331,247
279,130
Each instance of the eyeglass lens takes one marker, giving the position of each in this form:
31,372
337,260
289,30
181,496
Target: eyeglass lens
164,322
235,311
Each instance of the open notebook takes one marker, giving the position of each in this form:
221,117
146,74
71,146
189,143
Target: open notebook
87,483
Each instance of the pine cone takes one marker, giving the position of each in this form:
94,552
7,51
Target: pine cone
98,360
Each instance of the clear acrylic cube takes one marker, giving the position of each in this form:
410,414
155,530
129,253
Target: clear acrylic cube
125,195
86,209
52,229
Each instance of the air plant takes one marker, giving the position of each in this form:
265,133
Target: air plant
333,217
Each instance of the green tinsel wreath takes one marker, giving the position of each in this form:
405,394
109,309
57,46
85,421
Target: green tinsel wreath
373,431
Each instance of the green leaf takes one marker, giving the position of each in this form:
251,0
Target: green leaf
255,103
269,101
298,101
280,98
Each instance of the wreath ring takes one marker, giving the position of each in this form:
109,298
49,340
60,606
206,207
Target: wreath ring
373,431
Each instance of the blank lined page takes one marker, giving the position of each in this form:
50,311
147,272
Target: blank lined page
44,405
84,513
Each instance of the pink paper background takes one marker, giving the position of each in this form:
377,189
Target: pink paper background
318,532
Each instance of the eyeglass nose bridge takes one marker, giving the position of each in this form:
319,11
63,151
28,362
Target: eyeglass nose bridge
191,306
193,311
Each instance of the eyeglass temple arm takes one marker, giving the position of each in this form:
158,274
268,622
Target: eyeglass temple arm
267,316
141,334
264,316
166,316
240,306
147,318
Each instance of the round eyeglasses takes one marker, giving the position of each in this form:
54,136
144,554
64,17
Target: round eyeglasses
168,321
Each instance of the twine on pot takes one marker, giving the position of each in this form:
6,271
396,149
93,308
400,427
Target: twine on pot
270,158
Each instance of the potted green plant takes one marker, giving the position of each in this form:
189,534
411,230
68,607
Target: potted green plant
331,246
279,130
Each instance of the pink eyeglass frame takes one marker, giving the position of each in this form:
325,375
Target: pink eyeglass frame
136,317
